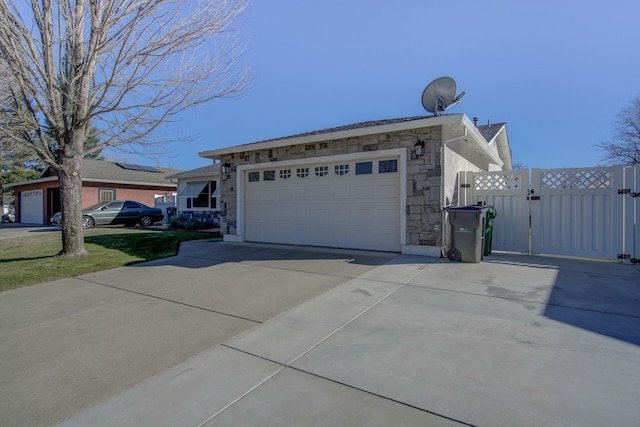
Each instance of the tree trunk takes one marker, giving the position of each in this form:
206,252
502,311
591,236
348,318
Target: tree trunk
70,177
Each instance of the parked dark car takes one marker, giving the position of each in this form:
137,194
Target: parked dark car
117,212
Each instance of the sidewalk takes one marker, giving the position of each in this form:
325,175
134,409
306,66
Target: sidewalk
512,341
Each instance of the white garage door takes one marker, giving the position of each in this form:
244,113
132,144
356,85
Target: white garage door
31,207
341,204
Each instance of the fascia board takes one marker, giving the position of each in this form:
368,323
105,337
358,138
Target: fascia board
111,181
481,142
322,137
102,181
31,181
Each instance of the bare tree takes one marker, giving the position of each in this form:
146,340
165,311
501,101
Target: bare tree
127,67
625,148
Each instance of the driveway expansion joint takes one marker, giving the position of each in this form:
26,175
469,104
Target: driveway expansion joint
289,364
303,371
171,301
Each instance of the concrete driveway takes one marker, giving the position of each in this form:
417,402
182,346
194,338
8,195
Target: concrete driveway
320,338
70,344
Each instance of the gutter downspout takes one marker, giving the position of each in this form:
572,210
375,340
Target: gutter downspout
443,197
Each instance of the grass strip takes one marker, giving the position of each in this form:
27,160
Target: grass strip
33,259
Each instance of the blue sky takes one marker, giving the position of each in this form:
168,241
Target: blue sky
557,72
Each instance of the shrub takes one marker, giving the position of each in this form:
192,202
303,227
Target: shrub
184,223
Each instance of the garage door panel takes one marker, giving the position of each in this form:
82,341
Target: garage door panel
365,192
342,193
347,211
387,191
323,193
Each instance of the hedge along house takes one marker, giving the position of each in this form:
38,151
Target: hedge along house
379,185
199,193
38,199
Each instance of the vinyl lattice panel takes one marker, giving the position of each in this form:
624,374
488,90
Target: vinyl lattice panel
594,179
496,182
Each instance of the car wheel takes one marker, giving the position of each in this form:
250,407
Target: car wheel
145,221
87,222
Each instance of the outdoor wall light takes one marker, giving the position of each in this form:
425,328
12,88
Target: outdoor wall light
226,168
419,147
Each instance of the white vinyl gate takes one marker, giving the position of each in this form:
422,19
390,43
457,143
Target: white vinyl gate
590,212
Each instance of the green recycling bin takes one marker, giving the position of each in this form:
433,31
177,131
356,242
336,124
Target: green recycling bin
488,230
468,228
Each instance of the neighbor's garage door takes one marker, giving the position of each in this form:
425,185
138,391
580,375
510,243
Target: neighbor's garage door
31,207
342,204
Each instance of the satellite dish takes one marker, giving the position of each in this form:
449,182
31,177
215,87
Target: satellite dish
439,95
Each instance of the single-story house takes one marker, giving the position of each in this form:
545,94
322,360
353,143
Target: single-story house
199,193
379,185
38,199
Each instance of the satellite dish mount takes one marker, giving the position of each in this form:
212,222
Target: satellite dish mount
439,95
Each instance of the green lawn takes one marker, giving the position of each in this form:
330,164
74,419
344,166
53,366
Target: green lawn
32,259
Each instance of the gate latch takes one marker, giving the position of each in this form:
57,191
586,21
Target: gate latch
624,190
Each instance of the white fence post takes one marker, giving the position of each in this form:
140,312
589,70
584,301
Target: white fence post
631,223
535,216
465,190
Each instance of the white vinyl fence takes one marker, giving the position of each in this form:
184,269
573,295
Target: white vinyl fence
585,212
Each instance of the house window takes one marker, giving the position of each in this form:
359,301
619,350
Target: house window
341,169
387,166
215,192
254,176
269,176
285,174
201,194
107,194
322,170
202,200
364,168
302,172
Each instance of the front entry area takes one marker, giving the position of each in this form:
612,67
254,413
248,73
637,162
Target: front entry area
334,202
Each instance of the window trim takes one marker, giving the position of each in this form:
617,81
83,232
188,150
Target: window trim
393,162
284,173
321,171
341,169
106,189
212,189
367,171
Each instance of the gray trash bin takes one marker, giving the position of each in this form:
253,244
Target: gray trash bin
467,232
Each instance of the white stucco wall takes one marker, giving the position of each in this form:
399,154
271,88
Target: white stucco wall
454,163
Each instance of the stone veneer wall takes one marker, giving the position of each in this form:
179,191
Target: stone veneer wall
423,176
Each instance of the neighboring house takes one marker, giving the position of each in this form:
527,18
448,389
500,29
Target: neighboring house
379,185
38,199
199,193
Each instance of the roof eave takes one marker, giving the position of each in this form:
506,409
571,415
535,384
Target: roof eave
147,184
321,137
31,181
482,143
98,180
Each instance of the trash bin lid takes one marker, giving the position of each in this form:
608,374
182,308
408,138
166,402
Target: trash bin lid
466,208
